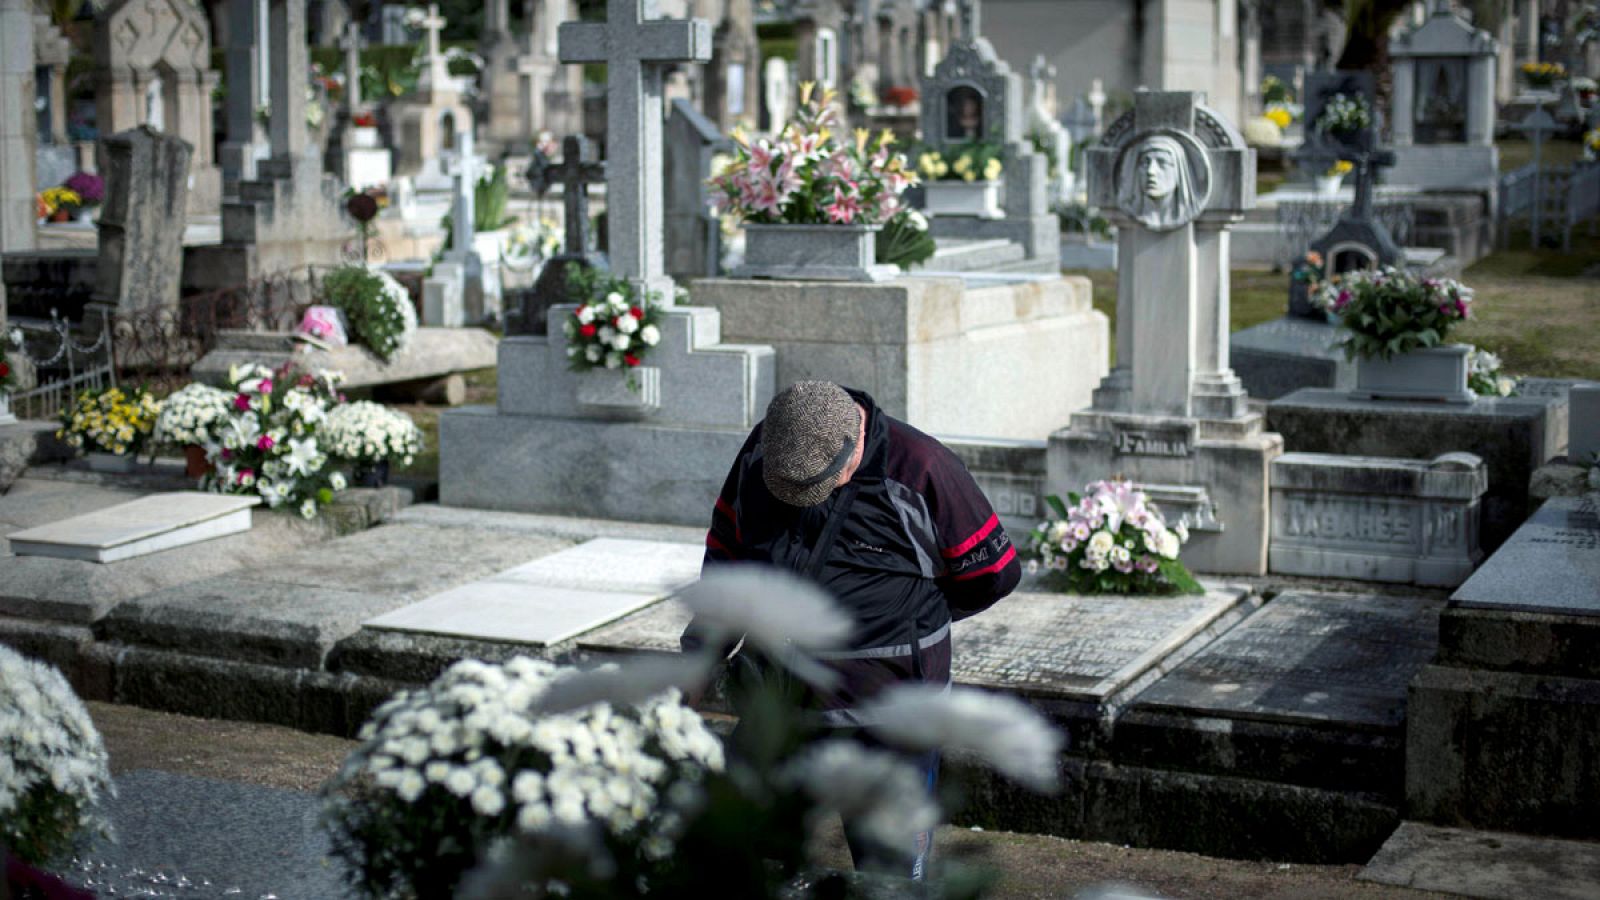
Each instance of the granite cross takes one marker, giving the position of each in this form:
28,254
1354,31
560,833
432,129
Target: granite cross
437,72
1537,124
635,50
970,15
463,211
351,42
576,171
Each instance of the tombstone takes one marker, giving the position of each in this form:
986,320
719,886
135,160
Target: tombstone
577,170
974,95
1583,424
528,89
364,162
55,158
731,85
427,122
899,22
1173,177
1442,104
246,68
777,92
479,290
1042,122
694,234
1536,127
141,221
156,57
818,28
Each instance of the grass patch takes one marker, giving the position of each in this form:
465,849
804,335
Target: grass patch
482,387
1257,295
1516,153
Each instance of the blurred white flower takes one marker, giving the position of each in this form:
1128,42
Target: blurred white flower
1005,731
882,794
774,610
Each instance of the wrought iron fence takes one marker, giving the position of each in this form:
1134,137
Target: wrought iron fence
1302,221
64,364
1569,196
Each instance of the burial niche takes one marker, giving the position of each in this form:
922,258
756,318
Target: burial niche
1441,106
963,114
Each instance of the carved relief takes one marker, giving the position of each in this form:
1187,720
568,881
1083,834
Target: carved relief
1163,180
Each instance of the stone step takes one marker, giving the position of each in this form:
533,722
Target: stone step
1493,865
139,527
971,255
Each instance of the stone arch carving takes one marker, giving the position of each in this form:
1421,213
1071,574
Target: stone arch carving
137,41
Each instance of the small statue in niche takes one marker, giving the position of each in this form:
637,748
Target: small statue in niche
963,113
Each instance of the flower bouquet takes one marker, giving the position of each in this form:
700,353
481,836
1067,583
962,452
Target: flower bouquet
976,161
1591,144
267,444
117,421
1387,312
451,771
1345,114
1543,74
52,763
1484,376
609,329
59,203
8,378
90,188
900,95
905,240
189,416
1110,540
370,436
378,308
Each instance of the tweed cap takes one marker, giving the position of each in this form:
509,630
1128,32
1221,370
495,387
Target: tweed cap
809,435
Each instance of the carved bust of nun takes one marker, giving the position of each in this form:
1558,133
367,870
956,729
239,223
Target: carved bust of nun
1158,188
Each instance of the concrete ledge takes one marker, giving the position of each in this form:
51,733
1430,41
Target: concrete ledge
1534,643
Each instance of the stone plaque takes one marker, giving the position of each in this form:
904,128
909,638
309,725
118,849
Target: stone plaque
1323,657
1090,649
1551,564
1175,439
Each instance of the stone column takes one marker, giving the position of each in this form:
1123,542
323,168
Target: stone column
287,48
1402,103
18,125
1164,264
244,86
1480,99
1529,16
141,221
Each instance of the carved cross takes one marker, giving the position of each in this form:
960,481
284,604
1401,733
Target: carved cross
636,48
577,170
433,23
1536,125
463,211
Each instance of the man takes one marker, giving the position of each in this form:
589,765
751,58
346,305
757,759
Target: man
885,518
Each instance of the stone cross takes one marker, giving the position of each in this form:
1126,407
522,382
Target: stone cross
970,13
351,42
635,48
437,73
286,24
1538,124
576,171
464,167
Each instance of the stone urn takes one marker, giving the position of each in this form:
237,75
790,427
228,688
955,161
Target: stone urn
962,198
813,253
1437,374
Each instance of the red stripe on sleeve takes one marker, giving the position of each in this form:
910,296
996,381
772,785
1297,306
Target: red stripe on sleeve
962,548
718,546
997,565
726,510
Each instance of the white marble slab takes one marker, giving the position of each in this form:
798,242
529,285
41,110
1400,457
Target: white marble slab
557,597
139,527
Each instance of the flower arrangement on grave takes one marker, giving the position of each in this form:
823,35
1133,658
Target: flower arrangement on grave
862,95
1279,115
1081,218
90,188
369,434
113,420
1109,540
810,177
900,95
905,240
611,328
1543,74
269,444
379,309
1307,269
1339,169
52,763
1044,144
975,161
1591,144
539,239
1484,376
189,417
448,772
1345,114
59,203
1276,90
364,120
1386,312
8,376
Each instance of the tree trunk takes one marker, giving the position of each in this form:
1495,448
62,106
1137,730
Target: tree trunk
1366,46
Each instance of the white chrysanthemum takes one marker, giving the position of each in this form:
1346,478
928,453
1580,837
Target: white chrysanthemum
880,792
1002,729
1100,543
650,335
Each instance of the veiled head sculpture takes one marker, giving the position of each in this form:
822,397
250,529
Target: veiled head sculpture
1163,183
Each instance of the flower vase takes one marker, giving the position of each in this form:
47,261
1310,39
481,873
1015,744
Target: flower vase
370,475
111,463
195,464
813,253
1436,374
963,198
1328,185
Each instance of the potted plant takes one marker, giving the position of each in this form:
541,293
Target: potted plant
610,334
900,96
364,131
61,203
370,436
110,425
269,444
811,205
56,766
1543,75
1344,116
188,420
963,180
379,309
1328,182
1394,325
1109,540
91,191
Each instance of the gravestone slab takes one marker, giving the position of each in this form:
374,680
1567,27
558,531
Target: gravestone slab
1583,424
654,628
1309,690
1081,658
1551,564
1286,354
1493,865
137,528
556,597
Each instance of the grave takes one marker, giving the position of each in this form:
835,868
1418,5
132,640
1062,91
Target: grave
732,79
433,355
556,597
973,95
137,528
1583,442
364,162
693,231
464,288
1494,865
1501,722
244,139
576,171
426,122
1397,520
1513,435
1172,415
141,252
688,410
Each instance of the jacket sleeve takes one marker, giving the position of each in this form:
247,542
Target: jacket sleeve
724,539
980,563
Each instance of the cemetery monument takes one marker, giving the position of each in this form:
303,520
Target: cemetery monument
1443,105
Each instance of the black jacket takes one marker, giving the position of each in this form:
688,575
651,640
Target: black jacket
920,547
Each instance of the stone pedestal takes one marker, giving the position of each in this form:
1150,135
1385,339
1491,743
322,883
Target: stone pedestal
544,449
1008,361
1503,728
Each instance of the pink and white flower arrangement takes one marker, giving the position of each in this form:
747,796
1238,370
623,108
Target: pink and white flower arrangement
808,176
1110,540
267,443
1386,312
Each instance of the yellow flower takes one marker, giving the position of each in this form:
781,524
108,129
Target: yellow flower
970,176
991,171
1279,116
943,170
861,139
739,136
885,138
962,164
806,87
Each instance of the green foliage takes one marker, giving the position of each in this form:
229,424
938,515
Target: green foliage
1080,218
1044,144
377,308
905,240
489,198
1389,312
